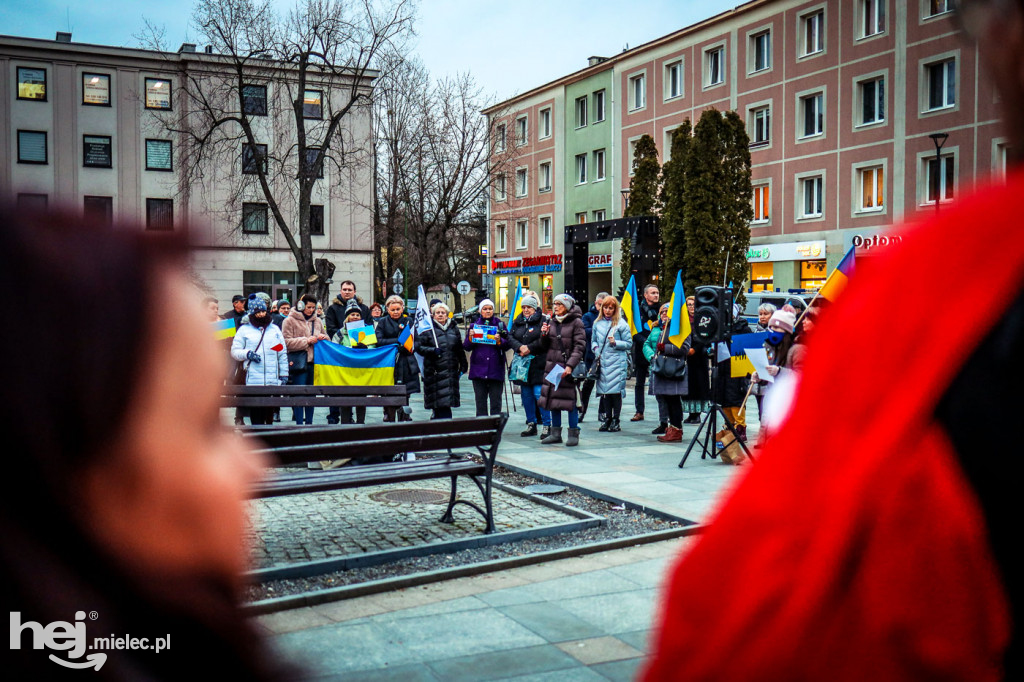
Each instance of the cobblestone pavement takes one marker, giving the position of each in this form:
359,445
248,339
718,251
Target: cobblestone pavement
312,526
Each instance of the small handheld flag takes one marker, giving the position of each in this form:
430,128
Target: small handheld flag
405,337
679,317
223,329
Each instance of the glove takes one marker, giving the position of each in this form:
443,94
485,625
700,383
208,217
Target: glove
661,347
504,333
360,345
438,352
251,356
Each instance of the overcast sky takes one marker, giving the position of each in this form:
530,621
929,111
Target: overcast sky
509,47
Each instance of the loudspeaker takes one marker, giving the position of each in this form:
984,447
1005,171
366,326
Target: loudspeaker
712,315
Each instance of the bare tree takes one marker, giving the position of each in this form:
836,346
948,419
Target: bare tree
280,97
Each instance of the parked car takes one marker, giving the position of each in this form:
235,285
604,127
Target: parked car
467,315
776,298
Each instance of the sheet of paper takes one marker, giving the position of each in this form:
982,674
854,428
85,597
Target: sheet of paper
555,375
759,359
723,352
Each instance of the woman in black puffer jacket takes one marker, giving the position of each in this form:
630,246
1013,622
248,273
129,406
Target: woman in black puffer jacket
525,340
407,372
444,361
565,341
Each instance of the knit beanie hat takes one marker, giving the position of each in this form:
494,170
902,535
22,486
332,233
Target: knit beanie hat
566,300
484,302
785,321
256,304
352,307
531,301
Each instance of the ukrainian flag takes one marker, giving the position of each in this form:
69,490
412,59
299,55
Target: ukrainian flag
678,315
837,281
223,329
517,303
740,365
631,306
340,366
405,338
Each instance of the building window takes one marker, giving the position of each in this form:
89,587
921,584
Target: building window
159,156
598,106
813,32
32,147
937,7
599,164
500,193
544,231
499,138
581,169
96,89
158,94
762,204
311,162
941,84
941,178
761,49
1000,159
872,100
521,186
638,92
254,100
316,219
714,66
581,217
762,277
99,210
32,83
254,218
872,14
581,111
159,214
96,151
812,274
33,202
312,104
521,131
545,177
599,215
872,189
254,157
760,125
674,79
501,236
522,234
812,111
545,123
811,199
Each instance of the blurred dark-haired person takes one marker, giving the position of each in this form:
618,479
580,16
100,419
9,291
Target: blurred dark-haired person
877,532
127,497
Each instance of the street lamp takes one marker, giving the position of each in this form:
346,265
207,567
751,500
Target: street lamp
938,139
625,200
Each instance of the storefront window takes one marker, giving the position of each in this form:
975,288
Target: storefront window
548,293
761,277
812,274
502,301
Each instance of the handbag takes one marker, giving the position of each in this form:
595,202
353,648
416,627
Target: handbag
595,369
520,370
297,359
579,372
242,368
668,366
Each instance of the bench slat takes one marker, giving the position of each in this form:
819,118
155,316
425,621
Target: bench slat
291,390
345,433
381,448
354,478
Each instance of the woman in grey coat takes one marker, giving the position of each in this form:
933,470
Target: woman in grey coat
611,342
672,391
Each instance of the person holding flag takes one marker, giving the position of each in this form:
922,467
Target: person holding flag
444,362
667,350
396,328
641,315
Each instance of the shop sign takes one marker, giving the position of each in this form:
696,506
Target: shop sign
867,242
766,253
513,266
599,261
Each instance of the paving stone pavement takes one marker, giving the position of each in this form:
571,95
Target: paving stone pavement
299,528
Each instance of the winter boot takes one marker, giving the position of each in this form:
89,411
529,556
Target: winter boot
531,430
574,438
614,425
659,429
605,425
741,431
545,431
672,435
554,437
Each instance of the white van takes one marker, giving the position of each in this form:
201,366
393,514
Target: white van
776,298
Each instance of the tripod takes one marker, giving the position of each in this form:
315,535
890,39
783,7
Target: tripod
709,422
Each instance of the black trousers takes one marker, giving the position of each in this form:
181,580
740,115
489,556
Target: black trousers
261,415
640,391
442,413
674,403
346,415
487,390
613,403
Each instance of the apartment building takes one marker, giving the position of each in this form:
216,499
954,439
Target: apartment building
80,127
861,114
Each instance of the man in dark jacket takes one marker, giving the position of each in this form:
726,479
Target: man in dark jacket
237,311
588,386
334,319
648,318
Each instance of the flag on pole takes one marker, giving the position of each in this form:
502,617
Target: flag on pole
223,329
517,303
422,311
678,315
336,365
631,306
839,278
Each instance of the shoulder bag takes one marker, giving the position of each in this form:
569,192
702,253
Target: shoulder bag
242,368
520,370
297,358
579,372
668,366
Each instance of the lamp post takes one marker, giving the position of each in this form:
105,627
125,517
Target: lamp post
938,139
625,200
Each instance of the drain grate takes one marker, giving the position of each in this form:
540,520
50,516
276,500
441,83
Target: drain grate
411,495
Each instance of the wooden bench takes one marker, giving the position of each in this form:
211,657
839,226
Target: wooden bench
312,396
379,443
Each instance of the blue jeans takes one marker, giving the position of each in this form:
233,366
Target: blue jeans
574,418
302,415
530,395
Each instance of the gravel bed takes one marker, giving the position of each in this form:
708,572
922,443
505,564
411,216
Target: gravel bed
620,523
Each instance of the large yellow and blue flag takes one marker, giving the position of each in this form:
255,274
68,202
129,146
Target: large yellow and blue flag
740,365
631,307
839,278
678,315
517,303
223,329
340,366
